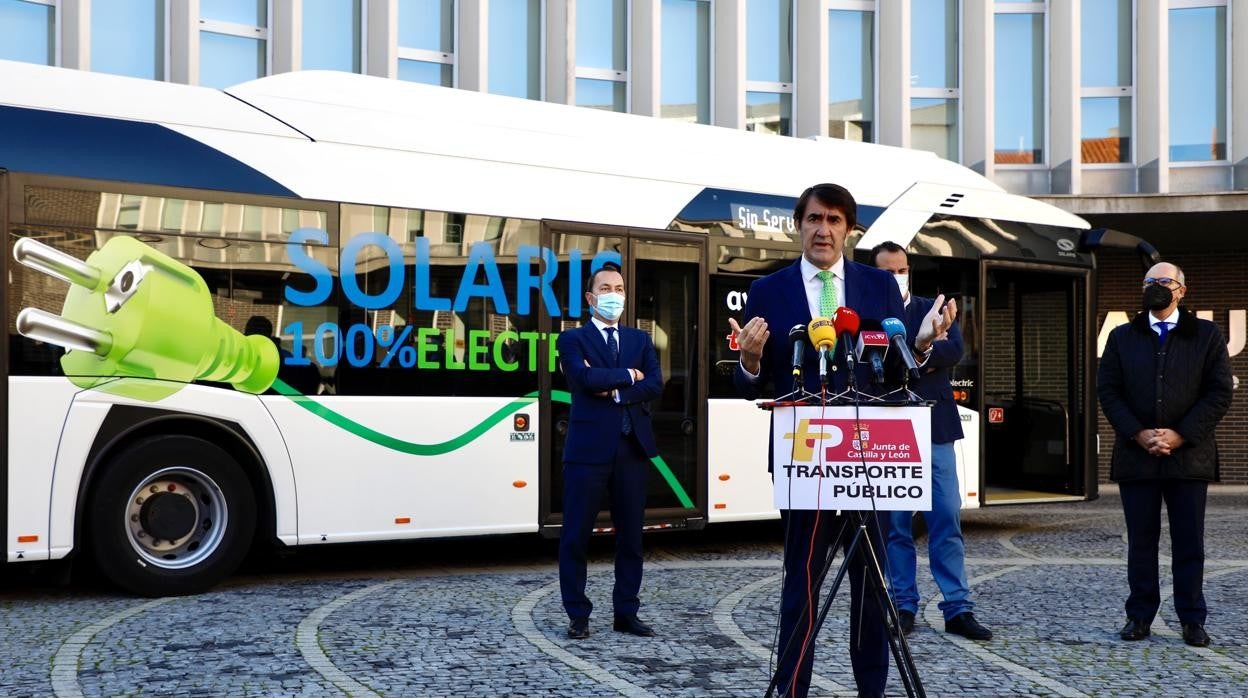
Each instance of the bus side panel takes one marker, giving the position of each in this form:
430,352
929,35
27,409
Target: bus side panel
37,408
969,458
383,468
89,410
738,442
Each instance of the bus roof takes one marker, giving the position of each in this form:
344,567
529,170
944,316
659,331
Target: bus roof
353,138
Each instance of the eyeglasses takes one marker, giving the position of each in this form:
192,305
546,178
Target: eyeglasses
1163,280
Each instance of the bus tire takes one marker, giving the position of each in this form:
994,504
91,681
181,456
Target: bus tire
170,515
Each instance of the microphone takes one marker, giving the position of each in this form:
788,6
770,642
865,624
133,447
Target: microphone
823,336
873,347
896,331
846,324
796,337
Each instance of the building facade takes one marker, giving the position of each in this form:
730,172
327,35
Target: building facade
1130,113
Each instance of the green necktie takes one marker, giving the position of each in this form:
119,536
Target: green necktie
827,297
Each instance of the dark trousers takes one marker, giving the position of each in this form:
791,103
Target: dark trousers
585,486
1185,507
804,558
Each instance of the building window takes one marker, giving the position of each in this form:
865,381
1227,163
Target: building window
515,48
1198,72
333,35
686,61
1019,83
769,66
28,31
427,41
602,54
1106,81
128,38
233,41
934,78
851,70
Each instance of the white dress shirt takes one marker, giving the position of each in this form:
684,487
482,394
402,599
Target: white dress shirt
602,330
814,285
814,290
1172,318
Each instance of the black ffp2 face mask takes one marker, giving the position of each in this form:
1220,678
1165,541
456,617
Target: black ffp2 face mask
1157,297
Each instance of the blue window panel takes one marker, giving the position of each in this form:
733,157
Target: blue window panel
1198,84
686,57
601,34
1019,83
1106,43
427,24
1106,129
934,43
253,13
331,35
128,38
769,40
601,94
515,48
426,72
226,60
27,32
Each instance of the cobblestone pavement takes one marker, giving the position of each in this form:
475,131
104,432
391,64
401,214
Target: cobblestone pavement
482,617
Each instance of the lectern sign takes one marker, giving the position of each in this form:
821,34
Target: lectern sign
826,458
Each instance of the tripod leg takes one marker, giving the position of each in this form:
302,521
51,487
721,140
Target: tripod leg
852,553
874,583
797,632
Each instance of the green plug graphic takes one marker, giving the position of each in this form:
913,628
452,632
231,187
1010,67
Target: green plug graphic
134,312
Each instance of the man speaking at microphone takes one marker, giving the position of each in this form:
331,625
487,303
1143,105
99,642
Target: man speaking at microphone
815,286
945,547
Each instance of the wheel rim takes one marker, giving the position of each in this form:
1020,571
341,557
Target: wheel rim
176,517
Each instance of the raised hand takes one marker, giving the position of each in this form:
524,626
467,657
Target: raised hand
751,339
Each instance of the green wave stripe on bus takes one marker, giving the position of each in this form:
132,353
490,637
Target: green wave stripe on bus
347,424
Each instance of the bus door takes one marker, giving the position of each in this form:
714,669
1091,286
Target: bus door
1035,377
665,281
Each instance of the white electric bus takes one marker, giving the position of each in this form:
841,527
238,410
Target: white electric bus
414,251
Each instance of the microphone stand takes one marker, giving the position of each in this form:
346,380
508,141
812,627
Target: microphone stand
860,549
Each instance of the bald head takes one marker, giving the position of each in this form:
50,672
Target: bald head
1170,277
1166,270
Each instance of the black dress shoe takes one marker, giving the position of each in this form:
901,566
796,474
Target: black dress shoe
578,629
964,624
633,626
1134,630
1194,634
905,619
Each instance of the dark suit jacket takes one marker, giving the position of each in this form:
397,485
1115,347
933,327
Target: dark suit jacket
595,422
934,383
1184,385
780,298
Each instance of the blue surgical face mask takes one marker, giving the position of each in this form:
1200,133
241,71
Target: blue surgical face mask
610,305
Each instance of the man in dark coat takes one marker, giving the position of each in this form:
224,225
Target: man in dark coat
1165,382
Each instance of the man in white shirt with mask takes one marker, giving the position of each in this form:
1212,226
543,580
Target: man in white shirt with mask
945,546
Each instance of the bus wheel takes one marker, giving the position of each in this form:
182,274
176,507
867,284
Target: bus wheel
171,515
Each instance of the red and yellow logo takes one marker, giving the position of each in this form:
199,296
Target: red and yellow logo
848,440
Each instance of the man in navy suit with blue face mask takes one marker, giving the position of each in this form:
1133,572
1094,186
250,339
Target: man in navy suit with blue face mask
613,374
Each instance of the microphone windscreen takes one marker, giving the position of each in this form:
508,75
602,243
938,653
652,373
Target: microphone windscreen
893,326
797,332
846,320
822,333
